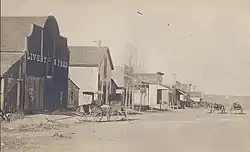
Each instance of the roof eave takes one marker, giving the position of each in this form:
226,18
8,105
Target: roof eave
110,59
74,83
83,65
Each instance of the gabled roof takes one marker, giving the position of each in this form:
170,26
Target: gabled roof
73,83
8,59
15,29
166,86
112,81
181,91
88,56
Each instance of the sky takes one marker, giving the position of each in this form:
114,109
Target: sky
206,42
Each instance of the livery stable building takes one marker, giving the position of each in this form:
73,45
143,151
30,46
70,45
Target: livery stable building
34,64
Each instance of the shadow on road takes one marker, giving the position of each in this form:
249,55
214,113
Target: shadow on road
121,120
106,121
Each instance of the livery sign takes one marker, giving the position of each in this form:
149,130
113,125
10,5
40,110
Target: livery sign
45,59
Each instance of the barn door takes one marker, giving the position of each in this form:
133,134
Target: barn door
33,94
50,96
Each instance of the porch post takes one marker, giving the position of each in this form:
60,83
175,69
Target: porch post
19,85
18,95
2,93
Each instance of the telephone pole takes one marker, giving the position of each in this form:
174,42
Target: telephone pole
174,76
174,99
99,96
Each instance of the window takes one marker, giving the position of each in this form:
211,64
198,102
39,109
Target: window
71,95
61,96
49,68
105,67
99,83
159,96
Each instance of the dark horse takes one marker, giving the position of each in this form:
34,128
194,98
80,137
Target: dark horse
217,107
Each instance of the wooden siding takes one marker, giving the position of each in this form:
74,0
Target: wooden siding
33,94
10,94
73,95
48,55
105,78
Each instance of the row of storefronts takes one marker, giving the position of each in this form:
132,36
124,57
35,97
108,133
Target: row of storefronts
40,72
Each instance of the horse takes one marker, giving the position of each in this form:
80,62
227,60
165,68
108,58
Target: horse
217,107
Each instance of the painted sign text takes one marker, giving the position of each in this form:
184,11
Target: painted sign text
44,59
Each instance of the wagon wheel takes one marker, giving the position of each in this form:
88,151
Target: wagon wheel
97,114
123,113
80,113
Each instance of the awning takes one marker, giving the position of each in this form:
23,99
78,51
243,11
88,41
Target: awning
182,92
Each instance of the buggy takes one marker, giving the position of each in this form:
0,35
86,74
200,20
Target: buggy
96,110
236,107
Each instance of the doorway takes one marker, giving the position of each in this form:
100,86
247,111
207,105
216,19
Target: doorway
159,96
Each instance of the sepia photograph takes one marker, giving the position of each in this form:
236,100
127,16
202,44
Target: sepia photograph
125,76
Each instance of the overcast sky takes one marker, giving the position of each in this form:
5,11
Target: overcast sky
207,42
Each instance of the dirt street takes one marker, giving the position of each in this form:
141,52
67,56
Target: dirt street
183,131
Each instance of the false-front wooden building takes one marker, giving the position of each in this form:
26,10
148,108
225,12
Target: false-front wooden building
36,78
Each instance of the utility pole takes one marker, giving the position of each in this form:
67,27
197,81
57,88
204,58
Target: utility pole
99,44
174,90
174,76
